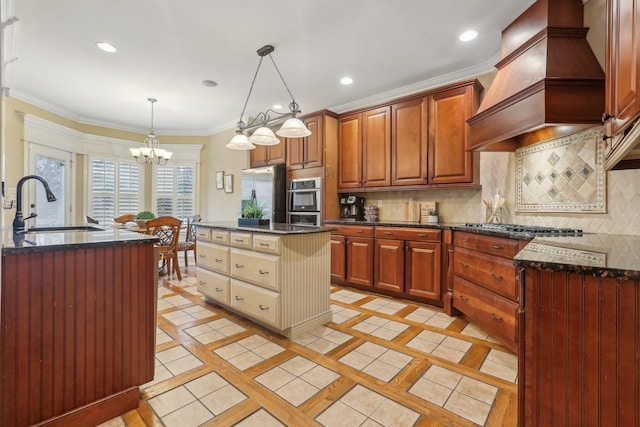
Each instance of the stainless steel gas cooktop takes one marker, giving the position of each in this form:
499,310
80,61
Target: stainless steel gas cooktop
532,229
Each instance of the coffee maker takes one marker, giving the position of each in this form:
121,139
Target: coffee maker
351,208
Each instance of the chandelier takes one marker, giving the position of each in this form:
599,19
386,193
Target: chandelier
291,128
151,152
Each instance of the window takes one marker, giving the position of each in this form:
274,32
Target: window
115,189
174,187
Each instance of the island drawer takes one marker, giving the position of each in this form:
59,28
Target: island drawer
491,272
242,240
262,304
499,246
267,243
354,230
257,268
213,285
203,233
214,257
400,233
492,311
221,237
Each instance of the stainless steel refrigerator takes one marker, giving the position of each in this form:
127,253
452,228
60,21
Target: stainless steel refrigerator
269,184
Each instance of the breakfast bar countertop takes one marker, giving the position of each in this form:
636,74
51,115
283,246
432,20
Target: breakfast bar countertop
603,255
272,228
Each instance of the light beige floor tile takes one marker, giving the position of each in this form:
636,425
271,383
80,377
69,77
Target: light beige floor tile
395,358
222,399
298,365
245,360
370,423
183,364
431,392
440,320
340,415
172,353
321,331
275,378
381,370
177,300
364,327
499,370
392,414
193,414
181,320
377,320
421,345
396,326
170,401
297,391
456,344
220,323
443,376
260,418
468,407
252,341
227,331
160,374
448,353
507,359
371,349
116,422
209,337
431,336
387,310
198,330
268,350
320,376
322,346
474,331
477,389
356,360
305,339
338,337
363,399
163,338
229,351
206,384
385,334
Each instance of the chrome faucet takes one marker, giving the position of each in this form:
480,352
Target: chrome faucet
18,221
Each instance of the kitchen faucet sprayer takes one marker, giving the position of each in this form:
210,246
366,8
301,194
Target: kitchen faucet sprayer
18,221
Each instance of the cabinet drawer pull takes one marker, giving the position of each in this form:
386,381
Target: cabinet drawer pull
496,318
239,266
496,247
263,308
239,298
218,289
463,298
219,260
463,265
264,245
238,241
359,231
263,272
465,240
202,282
388,233
495,277
219,238
422,235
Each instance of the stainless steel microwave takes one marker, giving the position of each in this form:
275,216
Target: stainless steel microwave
305,195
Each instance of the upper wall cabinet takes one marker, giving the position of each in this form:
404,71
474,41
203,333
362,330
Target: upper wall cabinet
264,155
307,152
421,141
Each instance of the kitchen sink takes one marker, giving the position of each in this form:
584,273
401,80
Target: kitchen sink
62,228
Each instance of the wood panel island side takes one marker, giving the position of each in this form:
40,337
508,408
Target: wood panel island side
276,275
78,319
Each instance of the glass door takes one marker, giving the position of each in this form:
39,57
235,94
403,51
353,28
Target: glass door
55,167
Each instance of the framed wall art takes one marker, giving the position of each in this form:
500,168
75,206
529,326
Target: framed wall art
228,183
220,180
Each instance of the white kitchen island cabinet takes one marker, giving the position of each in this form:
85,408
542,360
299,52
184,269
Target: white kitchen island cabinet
277,275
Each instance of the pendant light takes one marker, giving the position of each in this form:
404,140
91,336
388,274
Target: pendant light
151,152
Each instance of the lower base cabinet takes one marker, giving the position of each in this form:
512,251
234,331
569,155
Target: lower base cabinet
352,255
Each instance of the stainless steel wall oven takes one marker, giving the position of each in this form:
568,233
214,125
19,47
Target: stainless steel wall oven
305,201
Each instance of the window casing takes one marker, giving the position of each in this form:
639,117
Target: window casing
115,188
174,190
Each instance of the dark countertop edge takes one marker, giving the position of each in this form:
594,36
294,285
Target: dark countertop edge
603,272
67,246
282,229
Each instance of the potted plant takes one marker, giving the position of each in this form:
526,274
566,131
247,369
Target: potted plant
432,218
142,218
252,214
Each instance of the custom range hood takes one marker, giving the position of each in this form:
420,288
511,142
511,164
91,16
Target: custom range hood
548,83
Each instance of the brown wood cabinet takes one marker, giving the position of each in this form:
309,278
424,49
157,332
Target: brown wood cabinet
264,155
408,261
307,152
581,346
352,255
338,257
485,285
415,142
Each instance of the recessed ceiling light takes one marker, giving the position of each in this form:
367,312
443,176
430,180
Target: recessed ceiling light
209,83
468,35
346,80
277,106
107,47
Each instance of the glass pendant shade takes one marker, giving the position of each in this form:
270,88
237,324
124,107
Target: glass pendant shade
240,142
293,128
264,136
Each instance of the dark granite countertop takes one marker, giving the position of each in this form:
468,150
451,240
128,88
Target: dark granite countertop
604,255
272,228
56,240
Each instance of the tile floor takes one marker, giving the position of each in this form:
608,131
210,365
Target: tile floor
381,362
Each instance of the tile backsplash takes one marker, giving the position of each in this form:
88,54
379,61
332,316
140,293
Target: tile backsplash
498,172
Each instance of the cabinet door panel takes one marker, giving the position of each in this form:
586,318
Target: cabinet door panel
314,150
295,153
376,143
449,158
359,261
258,156
338,255
350,149
423,270
276,153
409,142
389,264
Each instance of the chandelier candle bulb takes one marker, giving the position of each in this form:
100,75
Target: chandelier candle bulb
151,151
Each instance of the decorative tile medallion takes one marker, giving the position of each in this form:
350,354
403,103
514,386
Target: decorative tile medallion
563,175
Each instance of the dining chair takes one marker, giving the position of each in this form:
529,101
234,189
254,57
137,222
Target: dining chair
123,219
189,243
167,229
90,220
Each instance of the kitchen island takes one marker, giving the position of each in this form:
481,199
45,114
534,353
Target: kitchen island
579,359
78,312
277,275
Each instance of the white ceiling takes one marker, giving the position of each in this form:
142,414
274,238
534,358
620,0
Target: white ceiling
167,47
